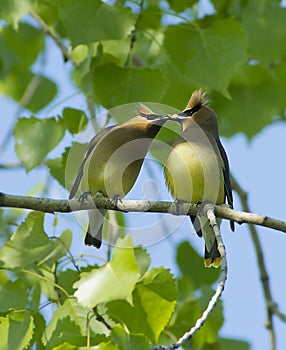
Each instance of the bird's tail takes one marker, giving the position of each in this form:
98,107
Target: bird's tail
93,235
212,256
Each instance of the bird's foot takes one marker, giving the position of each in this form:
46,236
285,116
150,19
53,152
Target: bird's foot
178,203
202,207
115,200
84,197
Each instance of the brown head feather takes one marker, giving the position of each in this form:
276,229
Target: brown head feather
198,98
143,109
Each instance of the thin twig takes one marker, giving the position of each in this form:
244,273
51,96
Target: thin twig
65,52
209,211
48,205
134,33
264,277
11,166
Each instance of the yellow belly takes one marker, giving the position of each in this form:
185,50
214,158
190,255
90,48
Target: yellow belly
193,173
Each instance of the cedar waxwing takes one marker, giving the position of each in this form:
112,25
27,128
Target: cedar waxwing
197,168
112,164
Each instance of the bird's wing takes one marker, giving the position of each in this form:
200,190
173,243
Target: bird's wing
226,176
92,144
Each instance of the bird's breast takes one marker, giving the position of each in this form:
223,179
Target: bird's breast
193,173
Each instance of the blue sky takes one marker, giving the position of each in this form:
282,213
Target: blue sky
259,166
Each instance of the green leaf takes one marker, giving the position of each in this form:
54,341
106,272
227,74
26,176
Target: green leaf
189,311
179,89
65,168
29,245
151,18
213,53
127,341
257,18
13,10
48,11
74,119
161,282
182,5
76,318
233,344
66,279
153,304
13,295
23,248
16,330
43,94
71,161
143,259
115,85
92,20
70,334
57,170
27,37
35,138
191,266
38,90
115,280
38,331
65,346
105,346
248,112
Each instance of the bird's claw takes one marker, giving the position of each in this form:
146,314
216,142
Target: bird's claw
83,197
115,200
202,207
178,203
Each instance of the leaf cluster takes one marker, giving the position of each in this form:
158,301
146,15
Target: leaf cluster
122,304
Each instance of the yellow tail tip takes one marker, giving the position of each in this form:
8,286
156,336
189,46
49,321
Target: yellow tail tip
212,263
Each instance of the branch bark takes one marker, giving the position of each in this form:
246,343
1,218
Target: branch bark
48,205
65,52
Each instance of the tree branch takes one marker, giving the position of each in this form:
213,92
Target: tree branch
48,205
264,277
209,212
65,52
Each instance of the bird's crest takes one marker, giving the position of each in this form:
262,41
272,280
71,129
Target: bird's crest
198,99
143,109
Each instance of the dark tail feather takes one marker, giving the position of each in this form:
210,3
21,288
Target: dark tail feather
212,258
94,241
197,225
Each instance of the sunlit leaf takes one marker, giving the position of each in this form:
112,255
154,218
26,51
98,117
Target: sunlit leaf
75,318
115,280
129,341
13,10
153,304
30,244
16,330
35,138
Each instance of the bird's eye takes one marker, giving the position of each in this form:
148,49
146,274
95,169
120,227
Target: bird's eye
191,111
